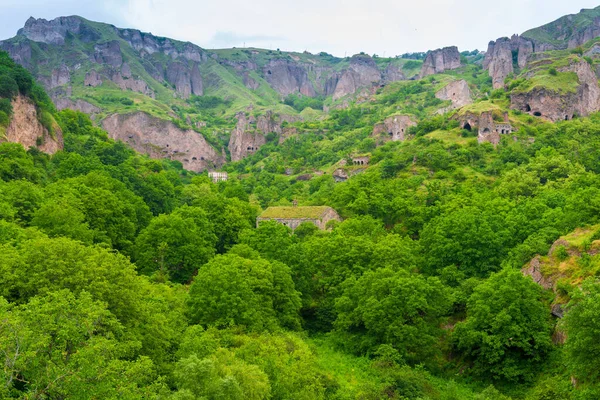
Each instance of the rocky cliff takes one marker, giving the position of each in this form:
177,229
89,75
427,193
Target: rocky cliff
163,139
394,128
26,129
558,106
250,132
569,31
362,72
440,60
504,54
457,92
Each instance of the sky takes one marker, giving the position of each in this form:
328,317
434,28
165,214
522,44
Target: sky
339,27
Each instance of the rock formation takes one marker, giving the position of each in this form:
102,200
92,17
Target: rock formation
488,129
457,92
440,60
78,105
163,139
26,129
395,127
250,132
287,77
556,106
362,72
499,61
50,32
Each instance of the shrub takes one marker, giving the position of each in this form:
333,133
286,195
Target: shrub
552,71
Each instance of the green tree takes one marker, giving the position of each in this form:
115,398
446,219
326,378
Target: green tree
65,346
393,307
583,329
240,288
507,330
177,244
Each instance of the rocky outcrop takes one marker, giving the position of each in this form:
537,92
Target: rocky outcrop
362,72
534,270
245,138
457,92
557,106
488,129
92,79
340,175
108,54
250,132
77,105
499,61
395,128
50,32
187,81
163,139
392,74
26,129
440,60
60,76
288,77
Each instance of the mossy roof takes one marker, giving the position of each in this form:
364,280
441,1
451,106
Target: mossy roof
314,212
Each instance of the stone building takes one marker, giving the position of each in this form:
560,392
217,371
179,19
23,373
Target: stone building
294,216
218,176
360,160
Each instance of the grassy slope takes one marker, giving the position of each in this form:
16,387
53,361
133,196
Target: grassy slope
565,26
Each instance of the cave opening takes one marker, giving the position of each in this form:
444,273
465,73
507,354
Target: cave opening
537,114
527,108
467,126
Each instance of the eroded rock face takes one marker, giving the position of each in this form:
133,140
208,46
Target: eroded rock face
245,138
163,139
556,106
187,80
534,270
288,77
395,127
60,76
440,60
77,105
108,53
457,92
50,32
362,72
250,132
26,129
499,61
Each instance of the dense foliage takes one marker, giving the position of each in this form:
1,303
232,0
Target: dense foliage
127,277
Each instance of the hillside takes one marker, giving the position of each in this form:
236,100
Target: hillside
463,266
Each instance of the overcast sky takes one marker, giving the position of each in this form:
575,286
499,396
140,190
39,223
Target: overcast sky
340,27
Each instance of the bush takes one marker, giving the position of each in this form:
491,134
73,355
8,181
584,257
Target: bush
552,71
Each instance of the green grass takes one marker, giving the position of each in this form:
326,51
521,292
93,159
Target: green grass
311,212
559,32
351,372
